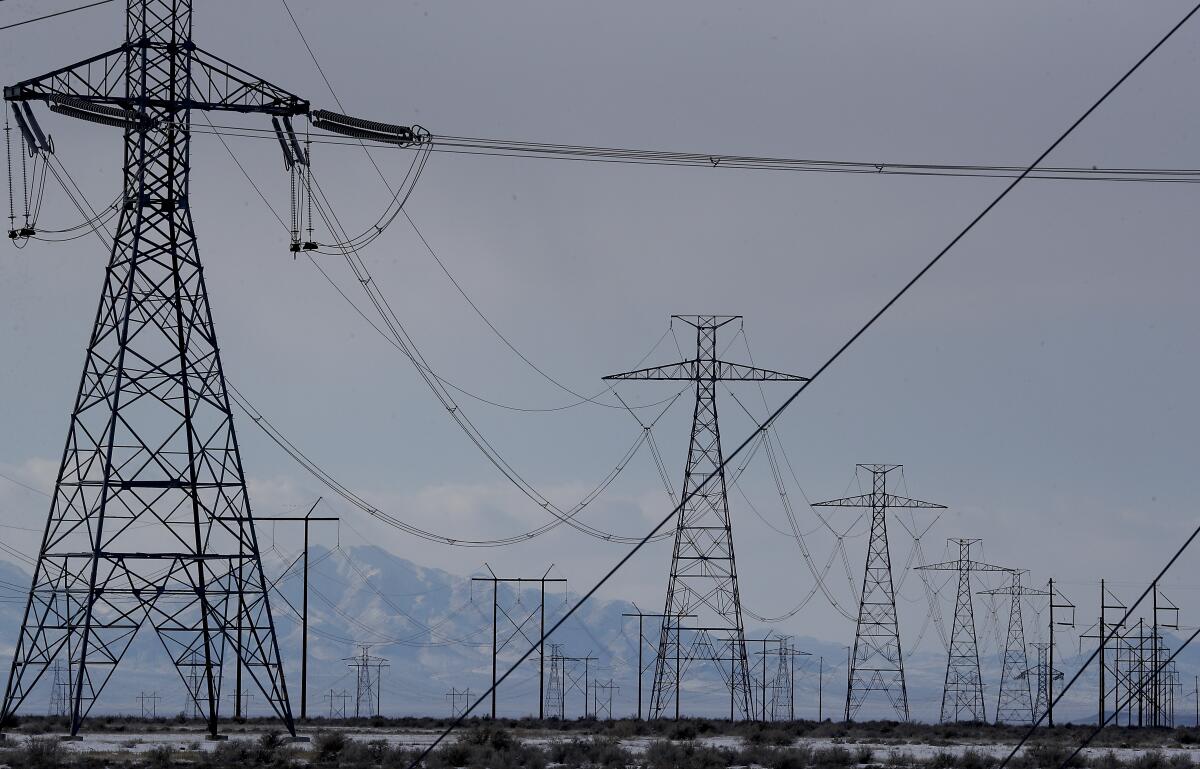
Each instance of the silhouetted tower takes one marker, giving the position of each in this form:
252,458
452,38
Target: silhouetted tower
963,691
1042,678
1014,701
877,662
368,675
555,694
60,691
150,520
703,578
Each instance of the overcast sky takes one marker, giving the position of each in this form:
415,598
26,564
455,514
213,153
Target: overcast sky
1040,382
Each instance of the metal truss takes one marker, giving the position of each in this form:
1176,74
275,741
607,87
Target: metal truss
703,578
1014,701
877,663
963,691
1042,675
150,521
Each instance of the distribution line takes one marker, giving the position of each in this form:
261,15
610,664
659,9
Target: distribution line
1004,193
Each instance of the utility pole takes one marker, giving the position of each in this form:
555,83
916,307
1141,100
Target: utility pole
518,628
571,682
703,577
151,439
1196,695
603,705
877,663
1160,687
1058,603
963,691
306,519
821,692
459,701
641,615
336,711
1014,704
1104,628
153,699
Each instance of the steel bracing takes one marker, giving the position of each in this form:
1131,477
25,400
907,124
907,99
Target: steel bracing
963,690
1042,675
150,521
877,661
703,577
1014,701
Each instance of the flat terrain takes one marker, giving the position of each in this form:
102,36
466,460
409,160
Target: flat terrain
35,742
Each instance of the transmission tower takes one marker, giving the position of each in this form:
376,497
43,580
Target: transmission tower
877,663
703,577
151,439
1014,702
1042,677
368,675
555,686
963,691
60,692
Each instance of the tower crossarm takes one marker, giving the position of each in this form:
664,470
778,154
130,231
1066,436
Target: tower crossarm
962,565
1014,590
216,85
692,370
889,500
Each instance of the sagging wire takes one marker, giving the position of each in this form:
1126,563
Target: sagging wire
566,517
932,595
408,347
796,533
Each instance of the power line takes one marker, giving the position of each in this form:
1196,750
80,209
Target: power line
481,147
816,375
52,15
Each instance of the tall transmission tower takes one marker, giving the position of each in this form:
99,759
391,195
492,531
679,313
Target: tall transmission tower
877,663
556,685
1014,701
703,577
963,691
368,676
60,691
151,440
1043,675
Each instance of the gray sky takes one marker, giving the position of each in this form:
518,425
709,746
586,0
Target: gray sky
1040,382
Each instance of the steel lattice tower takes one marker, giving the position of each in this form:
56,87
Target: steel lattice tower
150,520
877,663
1042,677
703,578
1014,701
963,692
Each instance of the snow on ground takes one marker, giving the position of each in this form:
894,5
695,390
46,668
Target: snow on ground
115,742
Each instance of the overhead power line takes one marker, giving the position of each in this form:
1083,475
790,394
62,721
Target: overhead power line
52,15
483,147
774,415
